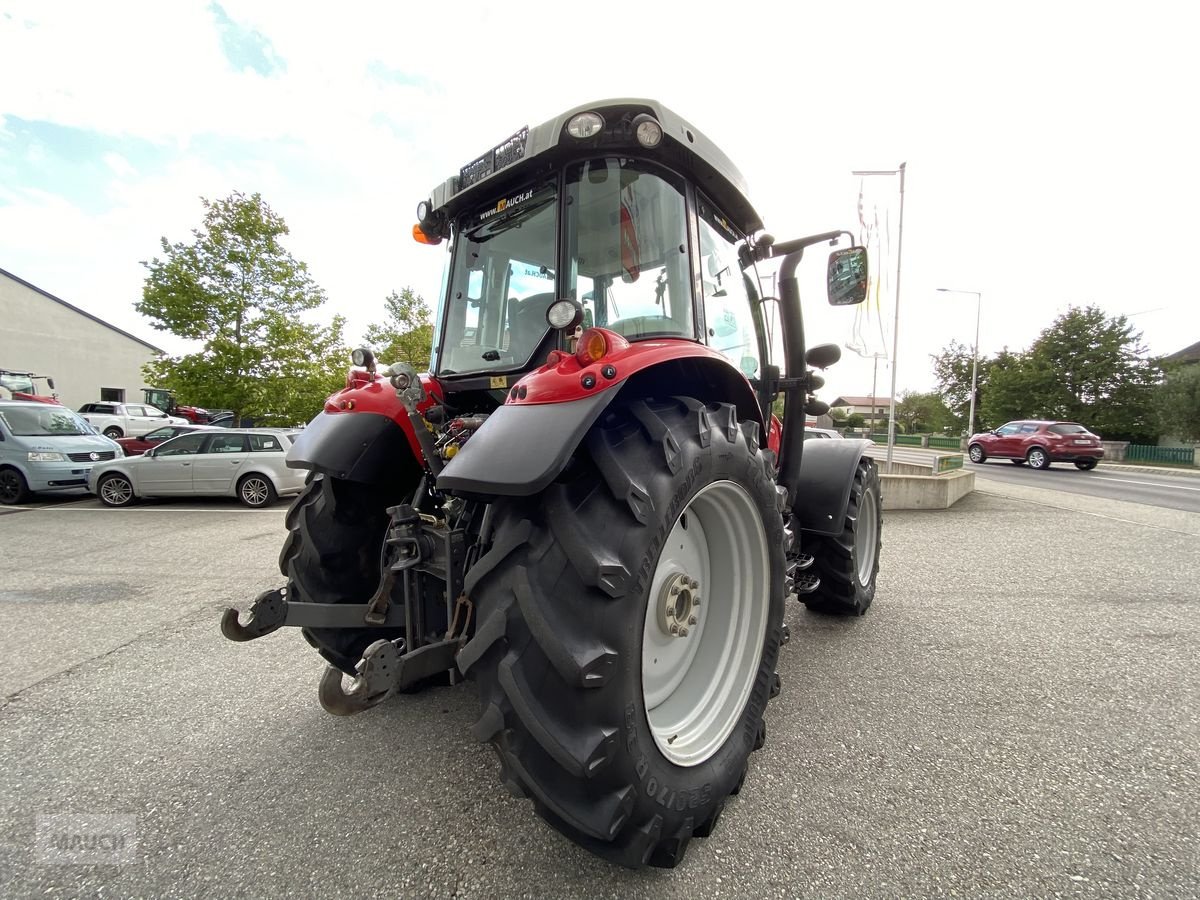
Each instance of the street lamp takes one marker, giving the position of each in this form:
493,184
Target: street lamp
975,352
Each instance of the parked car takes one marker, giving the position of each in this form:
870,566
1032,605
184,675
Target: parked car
237,462
46,447
126,419
136,446
1039,443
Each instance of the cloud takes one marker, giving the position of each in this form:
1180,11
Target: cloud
246,48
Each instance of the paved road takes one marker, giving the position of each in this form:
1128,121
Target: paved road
1018,716
1165,491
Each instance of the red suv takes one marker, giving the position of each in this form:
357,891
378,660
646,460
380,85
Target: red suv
1038,443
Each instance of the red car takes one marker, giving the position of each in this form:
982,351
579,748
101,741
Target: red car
136,446
1038,443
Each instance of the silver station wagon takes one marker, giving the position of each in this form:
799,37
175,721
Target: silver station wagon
247,463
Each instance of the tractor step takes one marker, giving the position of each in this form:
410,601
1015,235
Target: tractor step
805,583
803,561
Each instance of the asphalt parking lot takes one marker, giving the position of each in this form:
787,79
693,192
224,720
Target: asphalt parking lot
1018,716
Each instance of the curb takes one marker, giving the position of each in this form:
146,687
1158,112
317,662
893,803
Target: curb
1149,470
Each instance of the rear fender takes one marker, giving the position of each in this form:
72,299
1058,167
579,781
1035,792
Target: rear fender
363,434
823,490
525,444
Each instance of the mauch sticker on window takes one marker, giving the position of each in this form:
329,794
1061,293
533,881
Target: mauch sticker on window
504,204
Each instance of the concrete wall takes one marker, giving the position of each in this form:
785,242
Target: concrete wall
82,355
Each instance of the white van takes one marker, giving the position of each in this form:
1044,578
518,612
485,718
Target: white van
46,448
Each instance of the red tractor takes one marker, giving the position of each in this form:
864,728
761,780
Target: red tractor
586,506
22,386
165,400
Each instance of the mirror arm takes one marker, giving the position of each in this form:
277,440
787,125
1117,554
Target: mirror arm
788,247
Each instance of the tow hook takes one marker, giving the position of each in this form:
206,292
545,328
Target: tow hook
375,679
267,614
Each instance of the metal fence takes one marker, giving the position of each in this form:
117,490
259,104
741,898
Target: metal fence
902,440
945,443
1180,455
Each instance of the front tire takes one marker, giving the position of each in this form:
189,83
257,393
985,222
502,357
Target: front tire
627,735
13,487
1038,458
848,563
112,431
976,453
115,490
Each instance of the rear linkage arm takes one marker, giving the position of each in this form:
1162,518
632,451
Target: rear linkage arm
386,665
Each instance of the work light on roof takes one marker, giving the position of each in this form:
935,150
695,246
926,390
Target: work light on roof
585,125
649,132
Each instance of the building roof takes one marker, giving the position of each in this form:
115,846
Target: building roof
49,296
1186,355
847,400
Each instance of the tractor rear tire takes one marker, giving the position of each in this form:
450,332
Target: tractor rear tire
331,555
848,563
627,736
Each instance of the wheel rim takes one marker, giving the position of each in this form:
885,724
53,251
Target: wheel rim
712,585
1036,458
975,454
116,491
10,487
866,537
254,491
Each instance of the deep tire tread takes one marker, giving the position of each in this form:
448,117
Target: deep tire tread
840,592
544,651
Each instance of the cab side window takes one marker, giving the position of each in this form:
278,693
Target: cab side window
1010,428
729,311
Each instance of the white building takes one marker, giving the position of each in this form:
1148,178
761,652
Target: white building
88,358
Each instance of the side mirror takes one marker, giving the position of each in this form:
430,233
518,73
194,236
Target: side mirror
846,276
50,381
150,453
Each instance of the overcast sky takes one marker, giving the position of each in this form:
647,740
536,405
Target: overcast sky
1052,149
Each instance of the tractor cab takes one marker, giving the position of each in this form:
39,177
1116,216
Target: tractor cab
22,386
619,216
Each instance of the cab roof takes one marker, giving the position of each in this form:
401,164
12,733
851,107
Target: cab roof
531,151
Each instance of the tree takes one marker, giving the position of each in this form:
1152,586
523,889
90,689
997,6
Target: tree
238,291
922,412
1084,368
952,368
407,333
1013,383
1177,403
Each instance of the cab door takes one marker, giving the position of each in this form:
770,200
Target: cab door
216,469
167,468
